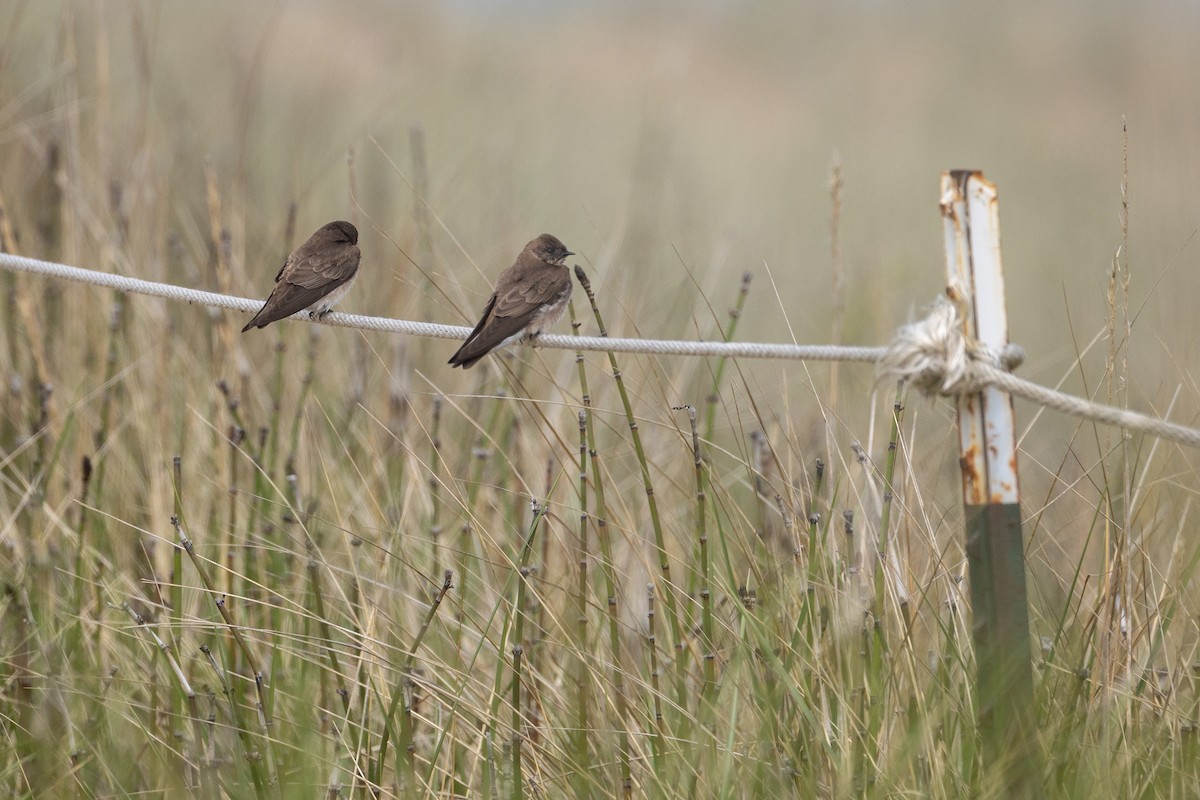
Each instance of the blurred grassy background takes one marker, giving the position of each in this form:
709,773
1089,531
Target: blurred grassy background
710,127
673,146
662,139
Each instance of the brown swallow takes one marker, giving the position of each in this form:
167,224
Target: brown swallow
314,277
530,297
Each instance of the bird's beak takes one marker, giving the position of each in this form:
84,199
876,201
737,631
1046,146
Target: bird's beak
569,253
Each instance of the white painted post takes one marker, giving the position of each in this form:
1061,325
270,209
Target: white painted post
991,494
975,280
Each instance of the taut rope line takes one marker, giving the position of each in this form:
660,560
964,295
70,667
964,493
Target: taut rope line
434,330
931,353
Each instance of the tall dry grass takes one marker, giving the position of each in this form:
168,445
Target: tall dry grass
309,560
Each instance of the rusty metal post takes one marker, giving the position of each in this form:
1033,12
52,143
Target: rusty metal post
991,495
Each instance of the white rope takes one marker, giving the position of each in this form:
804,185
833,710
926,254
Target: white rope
411,328
934,356
931,354
1078,407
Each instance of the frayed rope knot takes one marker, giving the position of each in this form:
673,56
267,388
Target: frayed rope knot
931,354
935,356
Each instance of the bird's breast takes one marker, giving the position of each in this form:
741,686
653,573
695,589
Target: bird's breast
330,300
545,317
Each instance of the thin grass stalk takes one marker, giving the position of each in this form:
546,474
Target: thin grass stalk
177,583
735,314
953,664
657,743
579,756
838,282
100,442
189,695
781,724
518,777
1116,568
261,524
537,615
32,345
44,466
12,331
316,589
875,640
875,663
608,570
706,713
673,614
889,494
405,751
608,567
434,525
82,655
59,211
813,609
279,551
222,255
852,559
236,435
259,529
791,535
357,614
510,439
20,611
523,571
361,757
1119,374
270,452
809,646
706,617
512,629
359,732
37,583
818,555
249,752
227,549
1189,754
809,741
420,211
265,723
469,546
80,589
754,469
537,605
306,383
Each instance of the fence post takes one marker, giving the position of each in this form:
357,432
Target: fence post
991,496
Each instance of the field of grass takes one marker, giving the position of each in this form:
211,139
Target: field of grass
311,560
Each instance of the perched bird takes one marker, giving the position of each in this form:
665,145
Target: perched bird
530,297
314,277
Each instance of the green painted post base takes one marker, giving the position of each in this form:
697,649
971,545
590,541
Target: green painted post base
1004,677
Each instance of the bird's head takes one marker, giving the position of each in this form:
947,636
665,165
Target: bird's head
340,231
549,249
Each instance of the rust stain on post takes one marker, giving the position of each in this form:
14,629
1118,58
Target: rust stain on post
991,492
975,282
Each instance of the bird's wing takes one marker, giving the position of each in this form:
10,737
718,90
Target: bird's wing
509,310
305,279
487,334
327,267
522,298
